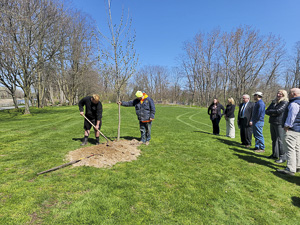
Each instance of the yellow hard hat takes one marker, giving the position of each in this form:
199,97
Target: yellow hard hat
139,94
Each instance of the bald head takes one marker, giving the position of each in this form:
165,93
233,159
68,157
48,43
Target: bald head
294,92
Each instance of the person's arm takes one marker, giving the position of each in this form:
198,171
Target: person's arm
270,109
277,111
152,109
292,113
81,103
231,111
99,114
238,117
251,112
222,108
129,103
261,110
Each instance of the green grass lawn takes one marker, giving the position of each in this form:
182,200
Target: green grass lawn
185,176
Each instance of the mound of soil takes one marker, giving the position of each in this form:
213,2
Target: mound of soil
106,156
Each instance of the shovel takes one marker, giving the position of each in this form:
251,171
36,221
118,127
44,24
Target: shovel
66,164
107,142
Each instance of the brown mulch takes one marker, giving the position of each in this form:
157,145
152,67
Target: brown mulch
106,156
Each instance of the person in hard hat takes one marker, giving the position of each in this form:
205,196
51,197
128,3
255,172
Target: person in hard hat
93,112
145,111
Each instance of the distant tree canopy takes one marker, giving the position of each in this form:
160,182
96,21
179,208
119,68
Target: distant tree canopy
51,53
46,50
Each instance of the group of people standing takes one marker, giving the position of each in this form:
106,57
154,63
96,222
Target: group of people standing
284,119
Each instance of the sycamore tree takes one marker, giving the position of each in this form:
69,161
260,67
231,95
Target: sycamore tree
118,56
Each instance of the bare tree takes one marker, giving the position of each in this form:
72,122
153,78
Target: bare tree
191,65
29,26
120,57
175,88
218,65
153,80
8,71
293,70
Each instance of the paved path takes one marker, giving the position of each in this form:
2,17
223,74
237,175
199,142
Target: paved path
10,107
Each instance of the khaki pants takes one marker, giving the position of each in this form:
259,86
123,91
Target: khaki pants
291,145
230,129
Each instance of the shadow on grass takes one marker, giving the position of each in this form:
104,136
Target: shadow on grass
90,140
130,138
229,142
253,158
291,179
296,201
204,132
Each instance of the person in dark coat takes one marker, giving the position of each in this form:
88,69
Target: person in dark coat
214,110
275,111
145,111
93,111
229,117
244,121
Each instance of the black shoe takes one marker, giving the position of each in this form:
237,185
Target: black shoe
286,171
280,161
84,142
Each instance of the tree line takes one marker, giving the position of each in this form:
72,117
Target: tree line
220,65
56,55
46,51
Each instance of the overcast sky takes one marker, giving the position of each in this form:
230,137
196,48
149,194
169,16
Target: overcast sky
163,25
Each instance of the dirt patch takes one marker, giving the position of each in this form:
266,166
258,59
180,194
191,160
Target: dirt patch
106,156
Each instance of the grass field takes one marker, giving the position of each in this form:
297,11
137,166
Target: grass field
185,176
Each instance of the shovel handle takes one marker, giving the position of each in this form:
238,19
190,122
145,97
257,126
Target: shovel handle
96,129
66,164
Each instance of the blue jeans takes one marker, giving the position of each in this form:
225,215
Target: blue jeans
145,129
258,134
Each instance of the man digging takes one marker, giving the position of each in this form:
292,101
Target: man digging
93,112
145,111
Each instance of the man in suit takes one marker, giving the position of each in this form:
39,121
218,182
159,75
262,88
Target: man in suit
244,120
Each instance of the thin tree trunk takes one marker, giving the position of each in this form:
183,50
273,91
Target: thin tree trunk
119,113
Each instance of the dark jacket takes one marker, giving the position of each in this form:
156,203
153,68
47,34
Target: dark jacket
247,114
143,111
296,125
229,111
276,112
92,111
219,108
